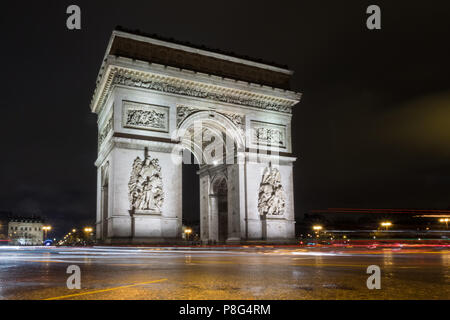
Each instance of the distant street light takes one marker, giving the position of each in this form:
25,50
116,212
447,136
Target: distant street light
46,229
386,224
187,231
317,229
444,220
88,231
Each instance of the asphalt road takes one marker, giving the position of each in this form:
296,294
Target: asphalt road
224,273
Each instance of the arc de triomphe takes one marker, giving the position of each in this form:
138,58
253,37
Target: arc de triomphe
157,103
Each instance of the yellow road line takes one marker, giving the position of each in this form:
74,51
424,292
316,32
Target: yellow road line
104,290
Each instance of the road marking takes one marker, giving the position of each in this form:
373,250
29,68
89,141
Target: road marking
105,290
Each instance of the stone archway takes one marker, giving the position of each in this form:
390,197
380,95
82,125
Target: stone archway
219,223
191,134
218,210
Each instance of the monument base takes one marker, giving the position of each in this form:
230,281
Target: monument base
276,228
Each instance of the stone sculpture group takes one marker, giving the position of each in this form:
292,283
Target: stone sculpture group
145,185
271,200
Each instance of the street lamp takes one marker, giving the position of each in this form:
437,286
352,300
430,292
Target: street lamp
386,224
88,231
317,229
46,229
444,220
188,231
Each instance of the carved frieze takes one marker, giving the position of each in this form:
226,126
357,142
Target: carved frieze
145,116
271,198
268,134
192,89
105,131
238,120
185,111
145,186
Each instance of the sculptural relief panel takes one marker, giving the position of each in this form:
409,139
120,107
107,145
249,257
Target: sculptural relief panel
103,133
145,187
271,197
268,134
145,116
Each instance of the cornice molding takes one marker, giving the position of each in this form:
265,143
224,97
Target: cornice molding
116,75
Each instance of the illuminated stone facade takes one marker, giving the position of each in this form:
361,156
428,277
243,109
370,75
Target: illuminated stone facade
25,232
232,114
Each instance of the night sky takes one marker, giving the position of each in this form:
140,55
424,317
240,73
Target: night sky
372,129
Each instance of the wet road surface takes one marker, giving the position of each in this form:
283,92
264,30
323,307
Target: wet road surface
224,273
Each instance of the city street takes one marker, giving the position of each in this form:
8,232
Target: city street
224,273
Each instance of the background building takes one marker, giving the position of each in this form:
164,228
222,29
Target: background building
4,219
25,231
